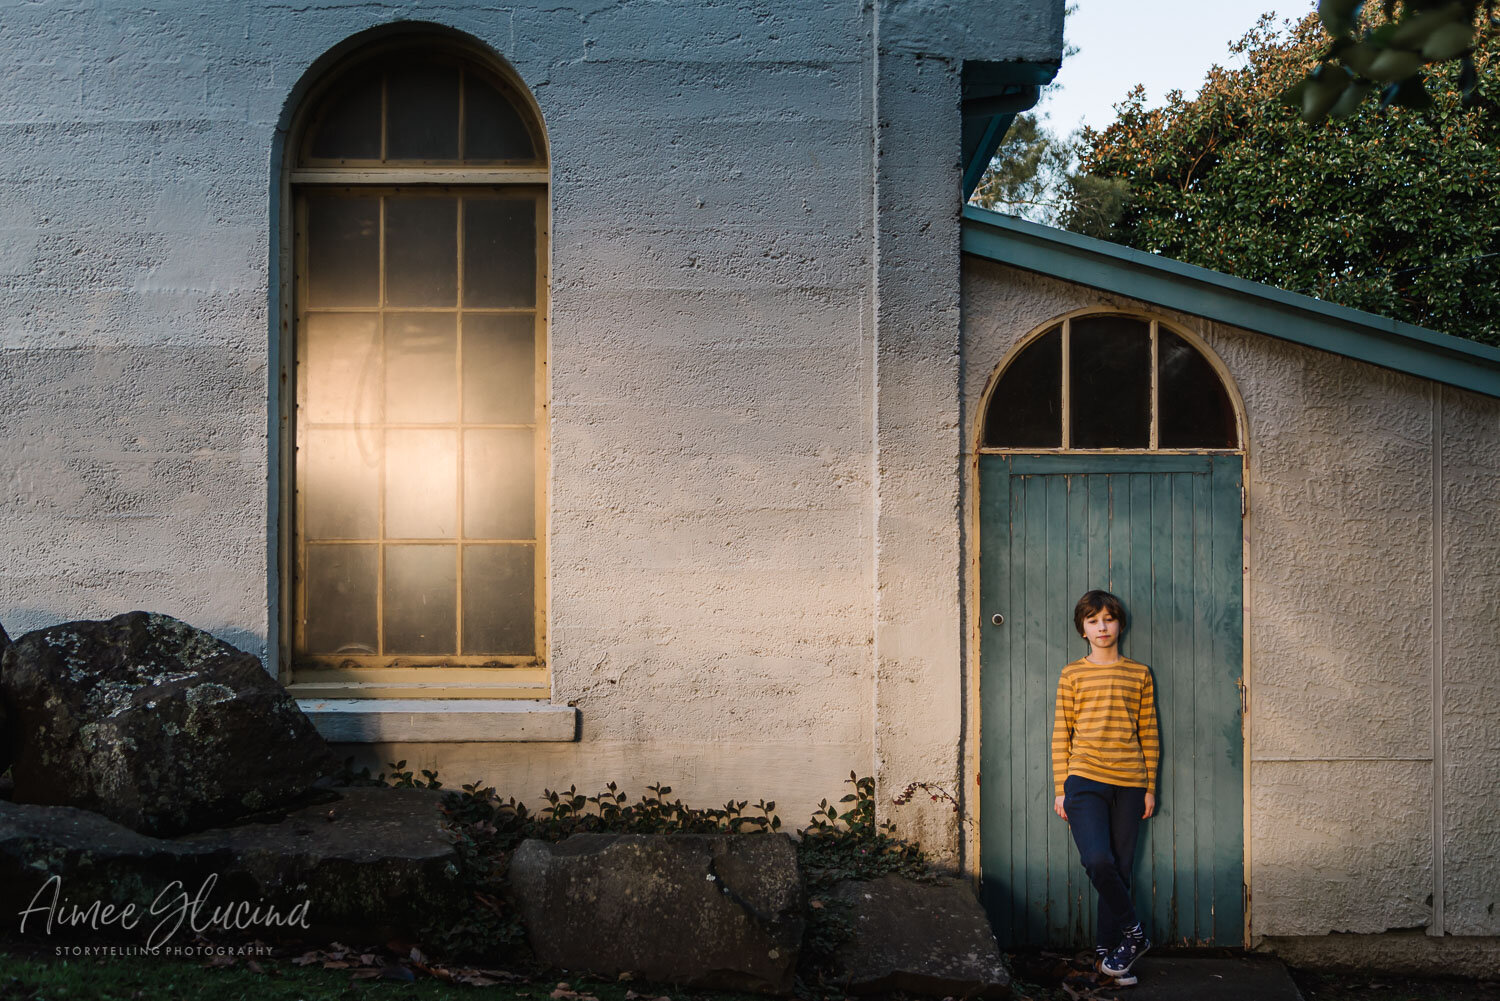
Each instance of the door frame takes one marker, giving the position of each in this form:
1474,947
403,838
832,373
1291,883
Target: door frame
973,435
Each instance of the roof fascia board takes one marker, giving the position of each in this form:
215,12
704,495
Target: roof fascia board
1213,295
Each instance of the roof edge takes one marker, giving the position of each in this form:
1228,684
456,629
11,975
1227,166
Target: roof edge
1213,295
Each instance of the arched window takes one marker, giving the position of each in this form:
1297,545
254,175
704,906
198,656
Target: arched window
1110,381
417,410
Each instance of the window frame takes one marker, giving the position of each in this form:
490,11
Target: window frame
392,676
1153,447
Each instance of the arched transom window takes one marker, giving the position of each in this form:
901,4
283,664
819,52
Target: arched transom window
420,209
1110,381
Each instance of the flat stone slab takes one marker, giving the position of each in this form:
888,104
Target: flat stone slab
699,910
1187,978
920,938
375,863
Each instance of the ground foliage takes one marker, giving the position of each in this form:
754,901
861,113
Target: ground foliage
1390,211
842,841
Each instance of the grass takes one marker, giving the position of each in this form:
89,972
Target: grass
38,974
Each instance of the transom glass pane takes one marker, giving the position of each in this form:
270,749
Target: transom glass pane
1026,407
1194,408
1109,382
421,112
1105,362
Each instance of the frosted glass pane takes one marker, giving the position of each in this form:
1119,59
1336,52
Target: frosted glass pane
341,368
421,251
421,599
340,484
499,484
421,484
343,251
340,600
349,126
499,368
499,252
493,130
500,600
422,113
421,359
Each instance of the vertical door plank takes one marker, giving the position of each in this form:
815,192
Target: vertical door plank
1227,660
1201,683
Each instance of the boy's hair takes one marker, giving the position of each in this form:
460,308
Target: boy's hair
1095,602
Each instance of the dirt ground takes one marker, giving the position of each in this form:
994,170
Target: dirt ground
1317,985
1047,976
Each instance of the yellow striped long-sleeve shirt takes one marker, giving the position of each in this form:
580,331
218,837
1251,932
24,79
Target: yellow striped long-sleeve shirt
1105,725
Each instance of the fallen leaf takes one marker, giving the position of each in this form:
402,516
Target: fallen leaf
365,974
334,964
219,961
306,958
253,966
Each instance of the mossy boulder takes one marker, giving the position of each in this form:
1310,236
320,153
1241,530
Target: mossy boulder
720,911
373,864
156,725
917,937
5,738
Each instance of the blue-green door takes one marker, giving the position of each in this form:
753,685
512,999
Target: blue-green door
1163,532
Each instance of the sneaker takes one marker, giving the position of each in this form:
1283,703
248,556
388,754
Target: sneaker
1123,980
1126,953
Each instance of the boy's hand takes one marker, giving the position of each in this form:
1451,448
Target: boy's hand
1150,806
1057,808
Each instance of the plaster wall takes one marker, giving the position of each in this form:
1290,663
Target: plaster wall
1371,737
726,260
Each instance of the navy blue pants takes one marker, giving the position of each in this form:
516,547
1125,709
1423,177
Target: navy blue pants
1104,820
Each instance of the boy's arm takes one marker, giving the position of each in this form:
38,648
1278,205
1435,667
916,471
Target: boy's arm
1149,734
1062,733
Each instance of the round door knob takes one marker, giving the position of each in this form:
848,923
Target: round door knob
997,619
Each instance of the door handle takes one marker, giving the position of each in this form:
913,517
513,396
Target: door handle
997,619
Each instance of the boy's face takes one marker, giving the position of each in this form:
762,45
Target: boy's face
1102,630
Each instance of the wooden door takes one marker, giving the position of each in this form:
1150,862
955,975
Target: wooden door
1163,533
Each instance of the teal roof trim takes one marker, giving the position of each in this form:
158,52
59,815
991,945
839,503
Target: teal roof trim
1213,295
993,94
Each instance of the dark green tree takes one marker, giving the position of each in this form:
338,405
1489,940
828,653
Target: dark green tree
1392,211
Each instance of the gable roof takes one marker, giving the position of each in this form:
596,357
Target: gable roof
1187,288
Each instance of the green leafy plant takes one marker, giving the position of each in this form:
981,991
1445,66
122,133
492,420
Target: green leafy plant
841,841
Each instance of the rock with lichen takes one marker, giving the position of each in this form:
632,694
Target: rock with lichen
4,716
156,725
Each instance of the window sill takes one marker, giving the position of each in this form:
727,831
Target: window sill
380,721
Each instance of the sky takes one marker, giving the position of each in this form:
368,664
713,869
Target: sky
1163,44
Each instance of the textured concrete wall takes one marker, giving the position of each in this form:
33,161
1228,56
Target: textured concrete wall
725,259
921,628
1340,613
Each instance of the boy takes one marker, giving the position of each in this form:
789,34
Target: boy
1105,748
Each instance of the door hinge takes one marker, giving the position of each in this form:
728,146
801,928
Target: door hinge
1244,500
1244,697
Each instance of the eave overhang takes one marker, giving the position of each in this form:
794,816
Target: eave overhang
1187,288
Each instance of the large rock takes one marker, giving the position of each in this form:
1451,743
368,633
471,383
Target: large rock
155,724
5,738
921,938
699,910
373,864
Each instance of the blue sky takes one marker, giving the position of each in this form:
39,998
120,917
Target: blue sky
1163,44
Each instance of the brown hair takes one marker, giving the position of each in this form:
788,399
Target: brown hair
1092,604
